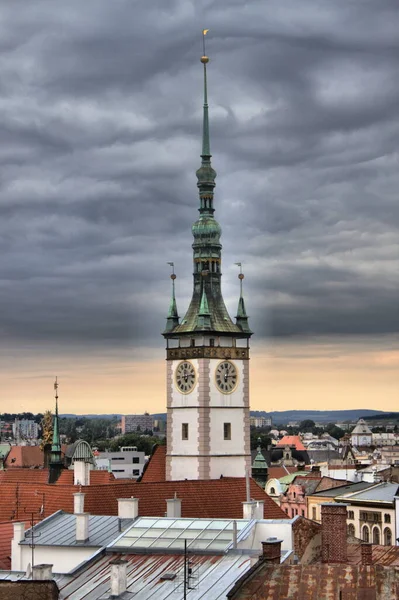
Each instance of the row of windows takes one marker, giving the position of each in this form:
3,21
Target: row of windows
226,431
294,512
376,535
135,472
367,516
118,458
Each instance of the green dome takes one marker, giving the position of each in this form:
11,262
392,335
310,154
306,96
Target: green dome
206,174
207,227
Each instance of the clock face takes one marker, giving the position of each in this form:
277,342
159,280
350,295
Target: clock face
226,377
185,377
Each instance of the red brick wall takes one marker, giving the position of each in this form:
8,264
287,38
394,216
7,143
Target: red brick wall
333,533
303,531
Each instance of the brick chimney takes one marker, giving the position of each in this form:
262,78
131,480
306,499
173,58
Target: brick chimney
271,551
333,533
367,554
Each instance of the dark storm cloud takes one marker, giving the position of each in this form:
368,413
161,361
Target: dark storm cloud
100,126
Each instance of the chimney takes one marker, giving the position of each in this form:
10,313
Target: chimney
118,577
271,551
81,472
78,503
42,572
16,549
333,533
254,509
367,554
173,508
128,508
82,527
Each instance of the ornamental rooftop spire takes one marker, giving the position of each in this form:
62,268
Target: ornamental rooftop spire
207,310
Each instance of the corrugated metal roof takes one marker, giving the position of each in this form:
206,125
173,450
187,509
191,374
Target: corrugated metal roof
213,577
60,530
382,492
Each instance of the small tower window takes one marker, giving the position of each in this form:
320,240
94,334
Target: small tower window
212,342
184,431
227,431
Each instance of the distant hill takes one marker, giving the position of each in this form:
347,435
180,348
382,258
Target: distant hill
392,416
319,416
283,417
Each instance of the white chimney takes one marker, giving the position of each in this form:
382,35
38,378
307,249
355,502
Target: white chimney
16,549
253,509
42,572
81,472
78,503
173,508
128,508
118,577
82,527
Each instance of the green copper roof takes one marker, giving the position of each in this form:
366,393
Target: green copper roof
173,317
207,310
259,460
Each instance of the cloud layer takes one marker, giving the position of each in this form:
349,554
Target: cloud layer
100,124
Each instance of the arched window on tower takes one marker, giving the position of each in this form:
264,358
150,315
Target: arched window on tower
273,491
365,534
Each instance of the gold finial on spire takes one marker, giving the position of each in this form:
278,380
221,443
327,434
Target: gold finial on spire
204,58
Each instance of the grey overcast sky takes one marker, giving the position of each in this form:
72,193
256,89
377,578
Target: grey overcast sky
100,126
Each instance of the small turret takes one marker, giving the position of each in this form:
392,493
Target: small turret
242,317
172,320
204,316
259,467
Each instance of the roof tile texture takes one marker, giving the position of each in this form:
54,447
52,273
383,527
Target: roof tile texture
156,467
220,498
291,440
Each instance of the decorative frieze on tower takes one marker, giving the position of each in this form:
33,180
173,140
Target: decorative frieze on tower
207,355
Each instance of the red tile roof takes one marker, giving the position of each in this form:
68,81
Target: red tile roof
24,456
219,498
279,472
20,475
155,470
291,440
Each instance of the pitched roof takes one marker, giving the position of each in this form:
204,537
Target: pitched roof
199,498
382,492
344,489
362,428
20,475
24,456
308,483
155,469
279,472
60,530
381,555
315,582
291,440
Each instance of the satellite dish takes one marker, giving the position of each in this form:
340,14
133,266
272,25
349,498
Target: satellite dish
28,571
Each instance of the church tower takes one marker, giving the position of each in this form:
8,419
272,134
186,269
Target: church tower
207,355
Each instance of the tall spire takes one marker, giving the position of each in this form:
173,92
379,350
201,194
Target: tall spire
172,320
55,457
242,317
56,446
206,174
